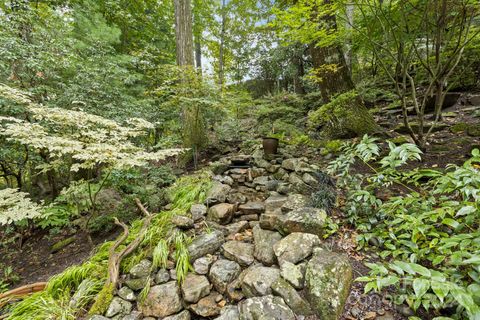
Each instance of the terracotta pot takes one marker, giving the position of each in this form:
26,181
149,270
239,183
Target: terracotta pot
270,145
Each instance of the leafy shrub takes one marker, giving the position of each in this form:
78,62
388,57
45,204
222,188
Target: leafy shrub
429,236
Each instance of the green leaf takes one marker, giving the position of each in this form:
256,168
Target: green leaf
465,211
464,299
369,286
420,286
450,222
440,289
420,269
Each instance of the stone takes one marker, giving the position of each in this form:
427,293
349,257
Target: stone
257,172
205,244
237,227
173,274
272,185
195,287
293,274
258,281
270,221
142,269
135,315
291,297
295,247
223,179
309,179
162,276
263,308
240,252
182,222
262,163
118,306
202,265
307,219
251,207
248,217
222,273
229,313
217,193
162,300
221,213
207,307
328,279
294,201
264,241
137,283
127,294
184,315
98,317
198,211
274,203
291,164
261,181
234,289
283,188
236,197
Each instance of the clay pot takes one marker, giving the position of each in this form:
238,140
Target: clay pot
270,145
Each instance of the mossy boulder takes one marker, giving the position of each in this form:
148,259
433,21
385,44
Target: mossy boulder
459,127
328,279
474,130
344,117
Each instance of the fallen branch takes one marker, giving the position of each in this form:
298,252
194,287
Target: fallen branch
24,290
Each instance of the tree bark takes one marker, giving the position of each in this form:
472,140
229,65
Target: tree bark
183,32
221,73
198,55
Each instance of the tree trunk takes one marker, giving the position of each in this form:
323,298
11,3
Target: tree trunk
183,32
221,73
198,55
297,80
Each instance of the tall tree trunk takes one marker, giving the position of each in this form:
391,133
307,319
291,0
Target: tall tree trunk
198,55
183,32
297,80
221,60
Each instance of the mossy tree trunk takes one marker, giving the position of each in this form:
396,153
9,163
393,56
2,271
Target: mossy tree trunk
183,32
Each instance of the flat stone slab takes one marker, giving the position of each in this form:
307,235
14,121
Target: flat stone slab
205,244
240,252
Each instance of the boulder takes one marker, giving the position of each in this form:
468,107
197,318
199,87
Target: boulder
205,244
198,211
270,221
328,279
294,201
291,164
127,294
294,274
142,269
118,306
221,213
222,273
162,300
261,181
202,265
258,281
236,197
134,315
264,241
182,222
98,317
136,283
252,207
295,247
306,219
162,276
195,287
267,307
237,227
184,315
207,307
217,193
240,252
291,297
229,313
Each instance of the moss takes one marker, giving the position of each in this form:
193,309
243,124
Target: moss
474,130
400,140
343,117
62,244
459,127
103,300
332,146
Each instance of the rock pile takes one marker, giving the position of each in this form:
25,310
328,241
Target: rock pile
257,252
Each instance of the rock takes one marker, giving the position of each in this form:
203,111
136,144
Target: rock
261,181
263,308
205,244
293,274
236,197
272,185
294,201
223,179
182,222
307,219
258,281
270,221
283,188
298,184
291,164
240,252
127,294
195,287
135,315
221,213
309,179
207,307
98,317
295,247
252,207
222,273
264,241
234,289
162,300
173,274
237,227
202,265
262,163
229,313
217,193
118,306
291,297
198,211
136,284
184,315
142,269
248,217
328,279
162,276
257,172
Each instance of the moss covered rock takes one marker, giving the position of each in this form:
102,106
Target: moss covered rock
344,117
474,130
328,279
